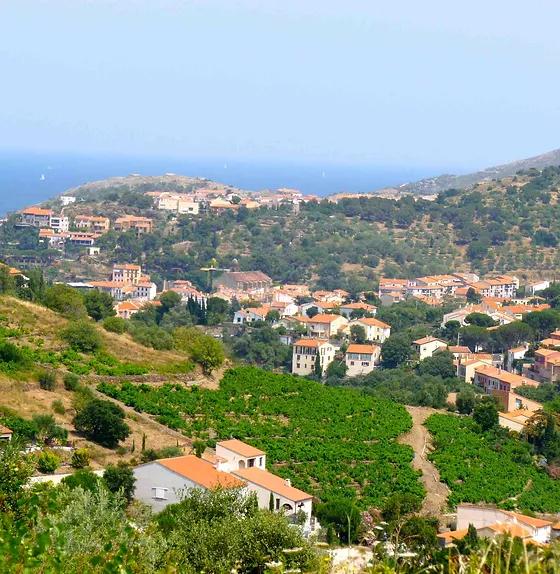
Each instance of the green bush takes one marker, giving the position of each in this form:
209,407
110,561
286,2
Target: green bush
58,407
47,462
82,336
80,458
102,422
47,380
71,381
115,325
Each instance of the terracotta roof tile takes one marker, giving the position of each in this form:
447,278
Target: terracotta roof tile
273,483
240,447
200,472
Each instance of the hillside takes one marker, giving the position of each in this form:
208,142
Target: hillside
434,185
509,225
37,330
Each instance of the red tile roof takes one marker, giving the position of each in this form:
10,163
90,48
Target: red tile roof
240,447
272,482
200,472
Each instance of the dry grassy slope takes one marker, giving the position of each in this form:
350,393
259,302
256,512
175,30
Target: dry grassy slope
22,393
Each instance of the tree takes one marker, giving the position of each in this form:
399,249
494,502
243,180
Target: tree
65,300
318,367
438,365
451,330
99,305
16,469
120,478
473,296
543,322
84,479
273,316
342,515
473,336
312,311
480,320
398,505
203,349
465,402
485,413
82,336
103,422
336,371
358,333
396,350
115,325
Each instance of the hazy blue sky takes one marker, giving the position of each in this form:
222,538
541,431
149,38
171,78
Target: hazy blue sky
429,82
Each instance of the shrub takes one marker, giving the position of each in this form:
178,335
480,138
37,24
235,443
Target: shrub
58,407
80,458
47,380
10,353
84,479
71,381
102,422
47,462
46,429
203,349
120,478
65,300
82,336
115,325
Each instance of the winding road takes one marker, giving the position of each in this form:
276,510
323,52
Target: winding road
419,439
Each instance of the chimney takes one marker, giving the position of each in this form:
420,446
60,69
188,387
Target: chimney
288,482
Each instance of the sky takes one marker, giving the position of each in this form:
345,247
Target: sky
457,85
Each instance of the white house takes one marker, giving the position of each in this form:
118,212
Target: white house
235,465
250,315
361,359
375,329
306,352
163,482
67,199
427,346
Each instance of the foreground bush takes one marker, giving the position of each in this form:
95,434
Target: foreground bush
82,336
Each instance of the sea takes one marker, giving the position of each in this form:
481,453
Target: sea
29,178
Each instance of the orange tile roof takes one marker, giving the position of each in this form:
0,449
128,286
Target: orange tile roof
312,343
358,305
272,482
530,520
373,322
458,349
365,349
37,211
514,530
321,318
504,376
5,430
200,472
453,534
428,339
240,447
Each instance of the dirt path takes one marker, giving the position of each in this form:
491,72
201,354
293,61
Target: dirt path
419,439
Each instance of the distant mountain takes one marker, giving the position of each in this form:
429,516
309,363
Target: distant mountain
434,185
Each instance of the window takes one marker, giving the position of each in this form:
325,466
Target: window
260,461
160,493
277,504
365,364
251,462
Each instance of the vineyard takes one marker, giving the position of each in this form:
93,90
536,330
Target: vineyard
329,441
489,467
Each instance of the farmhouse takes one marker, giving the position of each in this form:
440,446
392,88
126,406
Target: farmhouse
234,465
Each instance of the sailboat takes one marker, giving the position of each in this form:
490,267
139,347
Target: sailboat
42,178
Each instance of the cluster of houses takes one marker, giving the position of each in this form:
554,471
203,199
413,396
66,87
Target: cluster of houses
57,230
222,199
433,289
